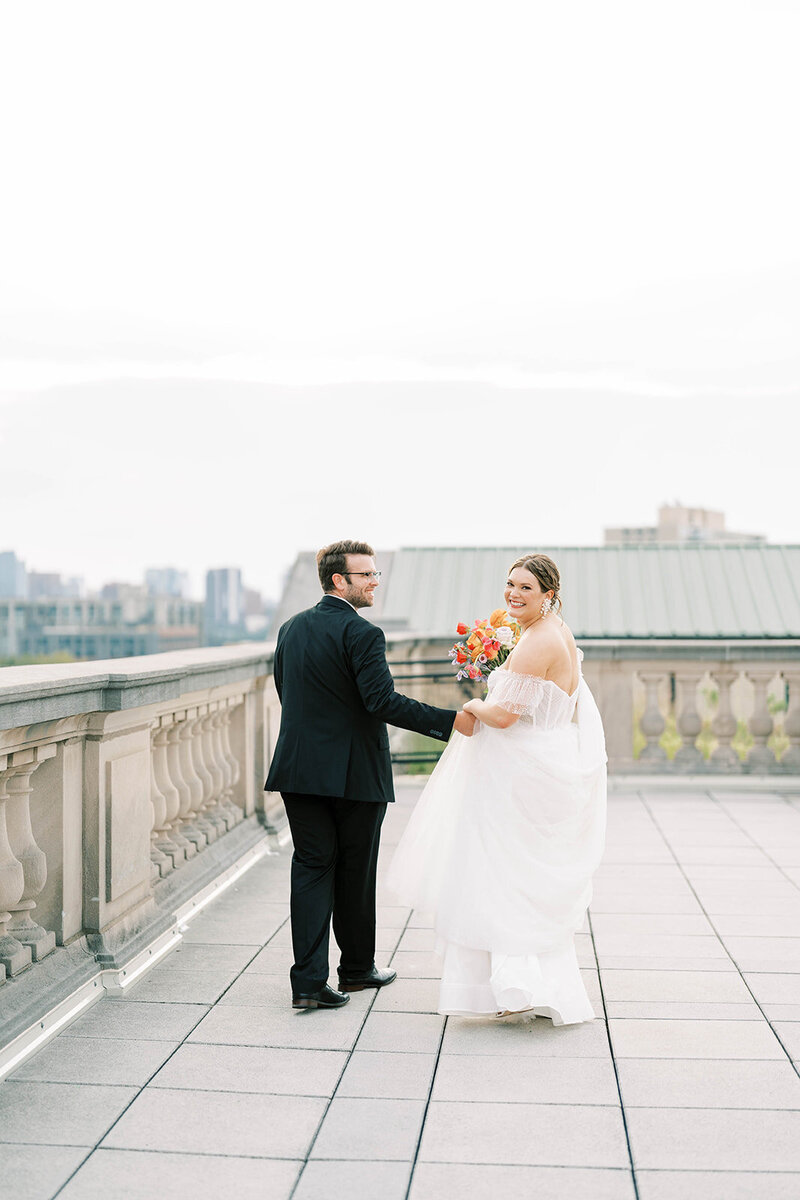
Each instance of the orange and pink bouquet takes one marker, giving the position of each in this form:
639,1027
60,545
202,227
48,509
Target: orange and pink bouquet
487,644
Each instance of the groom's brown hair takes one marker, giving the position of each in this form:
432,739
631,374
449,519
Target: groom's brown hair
332,560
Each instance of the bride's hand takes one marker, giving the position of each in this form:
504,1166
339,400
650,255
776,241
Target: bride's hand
472,706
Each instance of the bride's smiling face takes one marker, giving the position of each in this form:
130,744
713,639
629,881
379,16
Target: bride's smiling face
524,596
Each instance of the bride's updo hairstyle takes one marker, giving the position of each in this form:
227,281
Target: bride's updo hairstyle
545,571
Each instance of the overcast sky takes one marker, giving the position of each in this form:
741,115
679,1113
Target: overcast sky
424,273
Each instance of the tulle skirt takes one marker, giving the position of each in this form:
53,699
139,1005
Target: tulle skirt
501,848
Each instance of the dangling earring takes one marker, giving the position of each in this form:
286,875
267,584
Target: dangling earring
547,604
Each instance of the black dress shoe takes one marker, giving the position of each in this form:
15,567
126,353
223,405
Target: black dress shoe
375,978
326,997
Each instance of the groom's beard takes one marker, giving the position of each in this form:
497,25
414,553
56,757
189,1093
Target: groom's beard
359,599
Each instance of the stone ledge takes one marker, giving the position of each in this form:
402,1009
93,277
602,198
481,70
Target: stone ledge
31,695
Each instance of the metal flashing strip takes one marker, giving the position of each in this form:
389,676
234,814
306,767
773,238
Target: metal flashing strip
115,980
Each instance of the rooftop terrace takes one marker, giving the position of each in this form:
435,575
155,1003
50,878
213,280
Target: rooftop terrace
201,1080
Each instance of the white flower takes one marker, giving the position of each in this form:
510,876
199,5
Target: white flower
504,636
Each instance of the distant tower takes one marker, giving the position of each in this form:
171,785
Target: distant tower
225,609
13,576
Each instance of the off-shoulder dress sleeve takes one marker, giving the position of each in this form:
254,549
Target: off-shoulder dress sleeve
518,694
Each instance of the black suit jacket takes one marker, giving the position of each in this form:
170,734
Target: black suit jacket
336,692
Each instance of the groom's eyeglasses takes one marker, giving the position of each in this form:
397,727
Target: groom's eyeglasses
368,574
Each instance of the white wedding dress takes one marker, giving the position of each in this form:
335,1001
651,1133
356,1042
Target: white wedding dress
501,849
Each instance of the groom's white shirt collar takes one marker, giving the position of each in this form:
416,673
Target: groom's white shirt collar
333,596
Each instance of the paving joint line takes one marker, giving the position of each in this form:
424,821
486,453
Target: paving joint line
613,1058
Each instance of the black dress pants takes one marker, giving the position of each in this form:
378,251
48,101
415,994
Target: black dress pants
334,872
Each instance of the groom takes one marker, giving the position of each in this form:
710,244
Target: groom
333,768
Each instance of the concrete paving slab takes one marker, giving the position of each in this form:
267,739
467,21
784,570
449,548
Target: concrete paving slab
694,1039
235,1123
264,1069
182,987
502,1079
370,1129
259,989
142,1175
781,1012
329,1179
37,1172
646,962
127,1062
418,940
455,1181
186,957
416,964
392,916
716,987
272,960
701,1139
388,1075
611,900
718,1185
658,946
766,925
59,1114
789,1033
651,924
522,1035
409,995
764,955
239,1025
528,1134
676,1011
220,929
124,1018
708,1083
398,1032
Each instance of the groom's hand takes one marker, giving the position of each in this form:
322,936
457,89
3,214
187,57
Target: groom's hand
464,723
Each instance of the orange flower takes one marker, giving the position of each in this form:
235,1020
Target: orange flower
461,657
498,617
461,628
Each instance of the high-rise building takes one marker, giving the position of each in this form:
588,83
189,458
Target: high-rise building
225,608
13,576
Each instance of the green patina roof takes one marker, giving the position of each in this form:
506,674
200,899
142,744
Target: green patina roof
660,591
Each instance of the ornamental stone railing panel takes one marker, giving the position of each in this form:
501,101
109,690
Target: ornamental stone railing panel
127,790
700,706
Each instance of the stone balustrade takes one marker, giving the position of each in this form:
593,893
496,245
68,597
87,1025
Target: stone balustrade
129,790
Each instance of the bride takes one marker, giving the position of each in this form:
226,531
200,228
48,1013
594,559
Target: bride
504,840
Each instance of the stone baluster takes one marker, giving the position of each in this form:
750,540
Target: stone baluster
202,769
724,758
187,830
171,783
23,845
652,723
223,808
194,826
761,724
234,769
169,837
689,722
162,862
14,957
791,725
213,809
